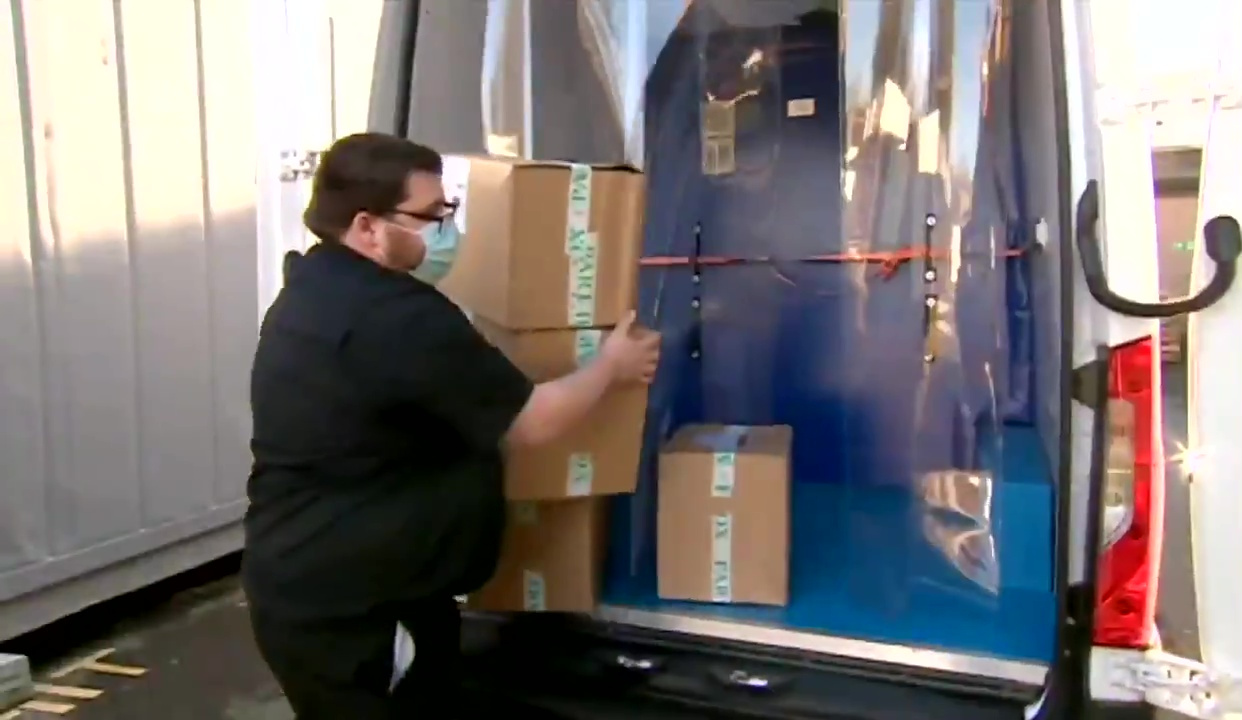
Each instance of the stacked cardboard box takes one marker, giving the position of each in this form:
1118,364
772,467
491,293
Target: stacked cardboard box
551,560
548,263
723,515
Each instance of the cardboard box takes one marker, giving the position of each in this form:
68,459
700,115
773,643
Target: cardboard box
552,559
546,245
600,455
723,517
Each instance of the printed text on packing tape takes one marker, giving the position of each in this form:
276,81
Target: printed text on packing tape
582,249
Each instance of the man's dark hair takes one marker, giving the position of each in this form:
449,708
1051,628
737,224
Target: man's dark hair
365,172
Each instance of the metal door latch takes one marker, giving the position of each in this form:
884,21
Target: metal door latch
642,665
1180,685
298,164
744,679
751,682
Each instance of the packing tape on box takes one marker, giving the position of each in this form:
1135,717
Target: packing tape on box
583,274
724,444
722,558
724,474
534,591
581,476
582,247
578,221
586,346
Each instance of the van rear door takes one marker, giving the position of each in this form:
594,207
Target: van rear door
292,87
314,63
1213,459
1117,381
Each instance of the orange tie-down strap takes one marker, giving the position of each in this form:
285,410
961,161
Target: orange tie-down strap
889,262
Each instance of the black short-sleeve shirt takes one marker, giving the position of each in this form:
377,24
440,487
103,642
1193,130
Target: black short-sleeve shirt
378,415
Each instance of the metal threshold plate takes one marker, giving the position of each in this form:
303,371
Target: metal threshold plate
1027,673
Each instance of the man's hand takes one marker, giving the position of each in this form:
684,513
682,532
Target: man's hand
632,353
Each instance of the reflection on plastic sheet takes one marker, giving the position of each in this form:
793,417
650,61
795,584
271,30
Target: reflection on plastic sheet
566,80
506,82
919,142
957,520
719,136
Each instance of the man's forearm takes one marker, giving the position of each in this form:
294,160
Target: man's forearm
557,405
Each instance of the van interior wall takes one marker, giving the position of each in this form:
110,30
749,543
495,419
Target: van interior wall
922,508
888,543
1033,124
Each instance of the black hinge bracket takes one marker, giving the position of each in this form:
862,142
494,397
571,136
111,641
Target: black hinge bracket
1088,384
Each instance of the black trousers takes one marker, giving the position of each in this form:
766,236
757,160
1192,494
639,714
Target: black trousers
341,670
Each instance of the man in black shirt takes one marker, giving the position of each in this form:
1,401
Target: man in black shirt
379,417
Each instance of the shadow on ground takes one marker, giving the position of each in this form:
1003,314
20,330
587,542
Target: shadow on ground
193,646
201,665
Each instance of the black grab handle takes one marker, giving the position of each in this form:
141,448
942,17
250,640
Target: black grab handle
1221,239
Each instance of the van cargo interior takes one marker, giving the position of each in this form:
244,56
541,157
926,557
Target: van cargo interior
845,234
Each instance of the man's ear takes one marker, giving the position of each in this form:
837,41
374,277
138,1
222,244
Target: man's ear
365,222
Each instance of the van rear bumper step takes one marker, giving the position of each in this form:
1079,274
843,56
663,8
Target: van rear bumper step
562,707
585,670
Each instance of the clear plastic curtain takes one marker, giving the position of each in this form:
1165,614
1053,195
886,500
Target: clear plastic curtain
505,84
564,80
925,140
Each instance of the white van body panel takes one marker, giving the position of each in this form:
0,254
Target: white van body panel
1112,133
1108,144
1214,456
313,64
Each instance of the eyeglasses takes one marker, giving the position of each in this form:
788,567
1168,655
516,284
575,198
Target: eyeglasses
447,211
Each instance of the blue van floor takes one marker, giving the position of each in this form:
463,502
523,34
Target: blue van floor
869,563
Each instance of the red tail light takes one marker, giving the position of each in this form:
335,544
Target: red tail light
1133,500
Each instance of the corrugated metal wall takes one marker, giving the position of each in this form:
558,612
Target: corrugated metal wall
127,290
132,181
